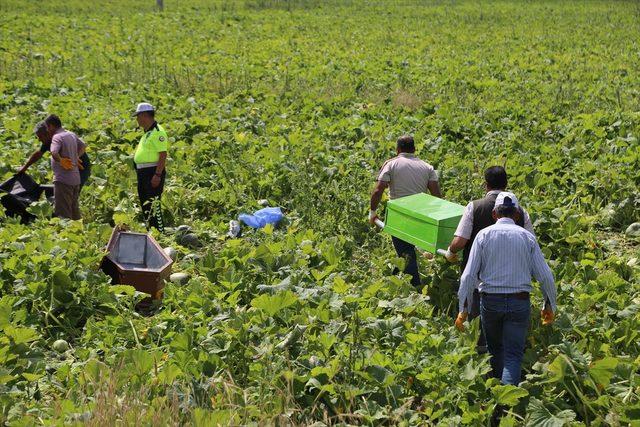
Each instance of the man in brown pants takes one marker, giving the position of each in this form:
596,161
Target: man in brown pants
66,149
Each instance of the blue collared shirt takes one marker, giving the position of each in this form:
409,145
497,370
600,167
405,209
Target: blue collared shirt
503,259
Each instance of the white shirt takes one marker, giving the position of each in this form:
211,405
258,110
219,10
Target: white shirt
465,226
503,259
407,175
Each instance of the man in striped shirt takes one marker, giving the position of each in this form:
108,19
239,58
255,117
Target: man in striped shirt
476,216
502,261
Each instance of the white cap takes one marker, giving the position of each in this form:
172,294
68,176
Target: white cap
506,198
143,107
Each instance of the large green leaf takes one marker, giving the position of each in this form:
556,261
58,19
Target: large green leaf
272,304
138,361
508,395
5,312
61,280
539,416
19,335
603,370
557,369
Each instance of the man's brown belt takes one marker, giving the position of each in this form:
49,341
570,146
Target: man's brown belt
518,295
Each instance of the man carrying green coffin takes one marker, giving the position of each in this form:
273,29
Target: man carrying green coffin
405,175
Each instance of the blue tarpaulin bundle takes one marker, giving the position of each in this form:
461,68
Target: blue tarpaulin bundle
262,217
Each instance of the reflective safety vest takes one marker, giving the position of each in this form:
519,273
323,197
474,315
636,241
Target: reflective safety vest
151,145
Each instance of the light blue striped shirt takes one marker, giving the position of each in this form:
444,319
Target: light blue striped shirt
503,259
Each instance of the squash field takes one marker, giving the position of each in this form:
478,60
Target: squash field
299,102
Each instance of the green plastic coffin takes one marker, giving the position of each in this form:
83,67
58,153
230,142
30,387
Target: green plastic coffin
423,220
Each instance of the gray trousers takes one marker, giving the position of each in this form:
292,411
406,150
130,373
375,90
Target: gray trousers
66,200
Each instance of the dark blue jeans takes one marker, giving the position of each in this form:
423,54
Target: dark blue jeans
505,322
408,252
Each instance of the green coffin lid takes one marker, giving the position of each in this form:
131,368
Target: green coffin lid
429,209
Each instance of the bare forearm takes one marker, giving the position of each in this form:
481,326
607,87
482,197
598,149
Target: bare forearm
32,159
457,244
376,196
434,188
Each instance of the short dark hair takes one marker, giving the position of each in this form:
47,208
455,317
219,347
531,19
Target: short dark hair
496,178
40,128
506,211
53,120
405,144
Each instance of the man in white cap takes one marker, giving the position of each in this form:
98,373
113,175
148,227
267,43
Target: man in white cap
150,159
503,258
479,215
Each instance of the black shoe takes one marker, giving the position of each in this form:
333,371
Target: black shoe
497,415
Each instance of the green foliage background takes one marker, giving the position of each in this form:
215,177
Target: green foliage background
300,102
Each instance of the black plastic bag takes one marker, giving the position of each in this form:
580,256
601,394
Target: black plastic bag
20,191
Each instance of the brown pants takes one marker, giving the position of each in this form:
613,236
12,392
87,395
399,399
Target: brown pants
66,200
